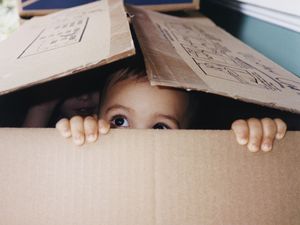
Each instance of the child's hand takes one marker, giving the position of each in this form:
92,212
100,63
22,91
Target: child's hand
82,129
258,134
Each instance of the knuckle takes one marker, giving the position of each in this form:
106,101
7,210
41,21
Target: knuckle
280,124
62,125
89,118
268,139
255,139
252,119
76,118
237,124
267,120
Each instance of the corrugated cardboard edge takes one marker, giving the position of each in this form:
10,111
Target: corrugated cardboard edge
117,51
146,177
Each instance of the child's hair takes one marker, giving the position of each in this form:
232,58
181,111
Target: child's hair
126,72
135,70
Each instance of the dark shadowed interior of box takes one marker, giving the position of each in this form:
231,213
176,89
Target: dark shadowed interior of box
211,111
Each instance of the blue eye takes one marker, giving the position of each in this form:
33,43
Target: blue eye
161,126
119,121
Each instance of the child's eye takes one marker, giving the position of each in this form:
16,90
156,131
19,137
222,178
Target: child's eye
161,126
119,121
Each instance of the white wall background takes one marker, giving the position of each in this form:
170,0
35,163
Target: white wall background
282,13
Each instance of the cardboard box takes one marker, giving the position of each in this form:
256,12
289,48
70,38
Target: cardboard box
143,176
29,8
146,177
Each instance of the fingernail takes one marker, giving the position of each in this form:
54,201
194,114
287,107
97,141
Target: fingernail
279,136
266,147
103,127
66,133
253,147
103,130
242,141
78,140
91,137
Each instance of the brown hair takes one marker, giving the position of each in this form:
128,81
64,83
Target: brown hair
127,72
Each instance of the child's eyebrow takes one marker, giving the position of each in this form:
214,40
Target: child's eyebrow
168,117
117,106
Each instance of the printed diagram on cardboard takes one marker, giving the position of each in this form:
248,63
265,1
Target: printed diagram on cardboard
209,56
63,43
57,35
62,29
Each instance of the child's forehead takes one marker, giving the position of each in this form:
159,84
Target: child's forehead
142,90
130,85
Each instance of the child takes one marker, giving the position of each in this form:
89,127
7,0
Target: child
129,101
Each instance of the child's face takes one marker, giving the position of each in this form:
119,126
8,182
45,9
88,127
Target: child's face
136,104
83,105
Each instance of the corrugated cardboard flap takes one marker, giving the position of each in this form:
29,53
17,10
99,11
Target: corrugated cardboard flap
64,43
196,54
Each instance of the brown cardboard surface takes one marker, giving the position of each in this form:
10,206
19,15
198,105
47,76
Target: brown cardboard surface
147,177
196,54
64,43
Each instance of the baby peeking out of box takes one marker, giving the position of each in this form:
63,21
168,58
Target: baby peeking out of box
129,101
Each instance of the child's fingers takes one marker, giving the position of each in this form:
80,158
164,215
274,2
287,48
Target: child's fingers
241,131
90,128
269,133
63,126
77,130
255,134
104,126
281,128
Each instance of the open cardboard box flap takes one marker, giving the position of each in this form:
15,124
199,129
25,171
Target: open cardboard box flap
196,54
146,177
63,43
